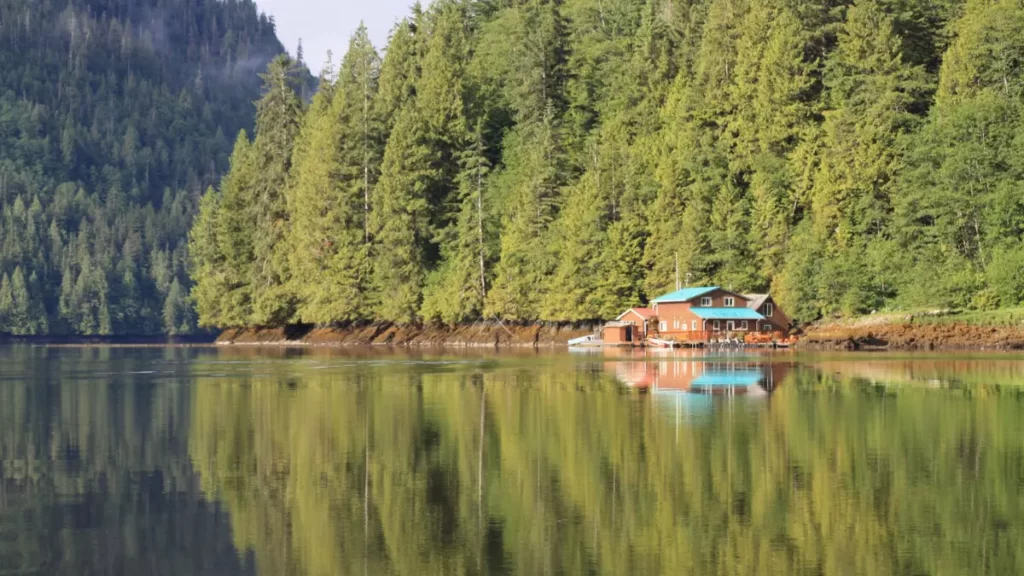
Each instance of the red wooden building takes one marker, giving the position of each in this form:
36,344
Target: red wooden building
699,314
641,318
620,334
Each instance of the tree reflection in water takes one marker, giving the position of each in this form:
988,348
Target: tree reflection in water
553,464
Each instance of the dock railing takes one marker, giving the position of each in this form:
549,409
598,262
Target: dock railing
721,336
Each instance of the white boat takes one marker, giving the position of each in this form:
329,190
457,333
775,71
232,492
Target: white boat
589,340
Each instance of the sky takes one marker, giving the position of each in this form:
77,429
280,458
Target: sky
328,24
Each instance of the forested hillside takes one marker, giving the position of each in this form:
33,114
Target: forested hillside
562,159
115,115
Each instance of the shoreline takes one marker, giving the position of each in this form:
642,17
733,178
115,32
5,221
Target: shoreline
870,333
484,334
905,333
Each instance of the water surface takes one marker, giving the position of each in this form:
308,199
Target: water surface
321,462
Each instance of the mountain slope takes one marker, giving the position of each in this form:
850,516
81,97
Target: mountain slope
115,115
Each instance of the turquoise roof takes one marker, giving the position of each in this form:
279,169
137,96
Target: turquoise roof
729,379
727,313
684,295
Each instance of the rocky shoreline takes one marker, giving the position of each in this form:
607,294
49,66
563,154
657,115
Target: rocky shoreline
895,334
477,335
909,336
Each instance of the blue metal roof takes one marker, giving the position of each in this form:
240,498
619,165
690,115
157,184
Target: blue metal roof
728,379
727,313
684,295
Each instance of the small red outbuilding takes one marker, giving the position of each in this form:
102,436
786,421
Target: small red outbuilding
640,318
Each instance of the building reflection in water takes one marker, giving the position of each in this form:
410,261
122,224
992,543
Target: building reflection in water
695,373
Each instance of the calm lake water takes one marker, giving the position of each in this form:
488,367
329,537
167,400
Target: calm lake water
200,461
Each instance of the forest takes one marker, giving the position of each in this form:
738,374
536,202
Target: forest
561,160
115,116
522,160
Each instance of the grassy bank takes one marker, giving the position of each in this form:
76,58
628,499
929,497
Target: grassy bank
930,317
921,329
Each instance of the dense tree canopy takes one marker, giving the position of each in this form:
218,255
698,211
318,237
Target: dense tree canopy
550,160
114,117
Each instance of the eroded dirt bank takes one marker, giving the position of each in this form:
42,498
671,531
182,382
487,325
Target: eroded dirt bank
908,335
480,334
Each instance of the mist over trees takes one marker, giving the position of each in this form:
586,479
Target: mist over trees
114,118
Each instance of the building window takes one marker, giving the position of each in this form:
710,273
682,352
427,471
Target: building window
744,325
730,302
693,325
683,325
705,302
767,327
768,309
663,326
718,325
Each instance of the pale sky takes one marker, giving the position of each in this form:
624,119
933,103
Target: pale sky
328,24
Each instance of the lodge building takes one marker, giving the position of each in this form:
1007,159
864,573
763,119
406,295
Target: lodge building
700,314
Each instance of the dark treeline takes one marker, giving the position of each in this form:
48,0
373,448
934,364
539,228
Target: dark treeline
115,116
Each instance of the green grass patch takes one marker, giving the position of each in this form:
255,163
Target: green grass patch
933,317
1002,317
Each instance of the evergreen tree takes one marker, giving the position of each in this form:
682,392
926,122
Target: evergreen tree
6,305
400,220
208,263
531,188
278,119
534,157
232,277
457,289
333,170
176,311
572,292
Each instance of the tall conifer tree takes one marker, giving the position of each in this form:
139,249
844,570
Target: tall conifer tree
334,168
534,155
278,120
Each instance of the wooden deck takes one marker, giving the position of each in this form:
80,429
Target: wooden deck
696,339
709,339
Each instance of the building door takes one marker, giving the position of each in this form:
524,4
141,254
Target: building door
629,333
730,326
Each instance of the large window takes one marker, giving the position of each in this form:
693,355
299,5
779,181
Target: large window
730,302
705,302
718,325
744,325
769,309
663,326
